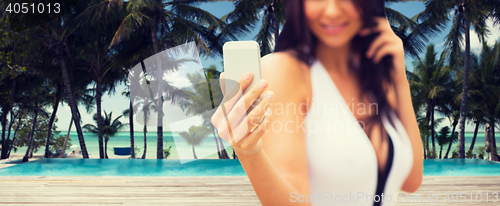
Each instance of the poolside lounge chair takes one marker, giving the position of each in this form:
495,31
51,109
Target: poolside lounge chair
122,150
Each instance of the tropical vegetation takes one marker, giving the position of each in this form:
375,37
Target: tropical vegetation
77,58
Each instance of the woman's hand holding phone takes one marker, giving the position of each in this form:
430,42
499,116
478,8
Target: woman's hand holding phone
232,122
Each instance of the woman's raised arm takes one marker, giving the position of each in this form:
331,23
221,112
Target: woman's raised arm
273,156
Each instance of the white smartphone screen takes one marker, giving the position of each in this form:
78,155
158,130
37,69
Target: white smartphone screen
241,57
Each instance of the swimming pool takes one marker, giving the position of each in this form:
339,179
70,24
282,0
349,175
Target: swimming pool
125,167
461,167
207,167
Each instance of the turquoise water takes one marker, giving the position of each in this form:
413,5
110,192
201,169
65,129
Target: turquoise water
207,167
125,167
180,148
461,167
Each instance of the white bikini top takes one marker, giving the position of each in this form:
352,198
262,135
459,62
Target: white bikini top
342,163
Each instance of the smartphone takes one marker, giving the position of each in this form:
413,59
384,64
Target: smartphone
241,57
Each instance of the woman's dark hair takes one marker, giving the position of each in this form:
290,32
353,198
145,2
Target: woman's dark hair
297,37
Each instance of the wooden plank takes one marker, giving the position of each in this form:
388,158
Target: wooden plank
110,190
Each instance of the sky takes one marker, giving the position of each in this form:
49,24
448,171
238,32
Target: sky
116,103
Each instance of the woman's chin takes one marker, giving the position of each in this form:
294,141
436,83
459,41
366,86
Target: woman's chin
336,44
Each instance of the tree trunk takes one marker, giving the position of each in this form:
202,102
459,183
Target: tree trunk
131,123
106,147
429,155
63,151
159,130
5,141
461,127
440,151
426,138
474,137
223,149
73,106
433,132
98,97
52,118
194,154
32,134
15,132
4,128
31,151
9,142
448,151
494,155
145,140
423,145
455,122
217,144
487,138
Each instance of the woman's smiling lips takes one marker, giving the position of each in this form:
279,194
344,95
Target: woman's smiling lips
333,28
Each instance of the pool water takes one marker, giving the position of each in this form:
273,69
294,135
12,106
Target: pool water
125,167
461,167
207,167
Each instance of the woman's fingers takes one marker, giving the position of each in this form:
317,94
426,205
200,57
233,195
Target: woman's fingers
237,107
259,111
255,93
382,53
235,90
239,124
376,45
254,137
262,127
368,31
239,111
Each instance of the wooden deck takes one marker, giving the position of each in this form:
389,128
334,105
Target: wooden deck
51,190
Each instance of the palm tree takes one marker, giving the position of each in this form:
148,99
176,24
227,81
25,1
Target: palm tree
194,136
202,101
442,138
143,104
485,88
432,80
110,128
212,75
56,35
160,17
466,14
58,97
98,55
451,139
35,102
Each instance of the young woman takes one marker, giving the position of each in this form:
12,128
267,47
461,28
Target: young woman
336,124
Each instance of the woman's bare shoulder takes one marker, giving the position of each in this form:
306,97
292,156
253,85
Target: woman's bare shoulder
285,70
279,61
287,76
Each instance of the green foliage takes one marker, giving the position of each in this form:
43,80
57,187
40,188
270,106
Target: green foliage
431,155
137,150
469,154
480,150
166,152
195,135
442,137
40,135
454,154
109,126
